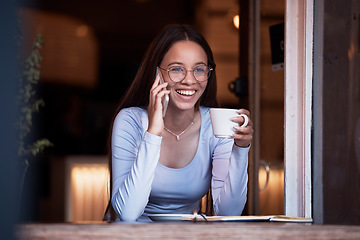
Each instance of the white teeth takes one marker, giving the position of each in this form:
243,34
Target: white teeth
186,92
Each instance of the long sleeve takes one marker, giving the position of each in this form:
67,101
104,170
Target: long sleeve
229,178
135,154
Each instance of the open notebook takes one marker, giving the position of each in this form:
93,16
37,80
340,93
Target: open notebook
203,218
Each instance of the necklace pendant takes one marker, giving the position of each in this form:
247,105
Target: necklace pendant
178,135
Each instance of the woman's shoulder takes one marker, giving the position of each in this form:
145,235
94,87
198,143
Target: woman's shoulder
132,111
204,111
131,115
205,116
205,119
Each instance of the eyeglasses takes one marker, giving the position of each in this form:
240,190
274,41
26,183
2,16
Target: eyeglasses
178,73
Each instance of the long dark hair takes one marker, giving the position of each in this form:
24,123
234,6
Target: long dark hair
138,93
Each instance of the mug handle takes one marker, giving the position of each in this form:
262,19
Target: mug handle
246,120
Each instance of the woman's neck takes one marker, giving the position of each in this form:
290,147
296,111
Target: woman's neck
179,119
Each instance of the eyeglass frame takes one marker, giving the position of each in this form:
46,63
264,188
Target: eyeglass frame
189,70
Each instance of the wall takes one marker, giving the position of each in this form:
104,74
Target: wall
337,112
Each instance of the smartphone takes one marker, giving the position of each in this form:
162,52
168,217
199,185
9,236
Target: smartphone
165,100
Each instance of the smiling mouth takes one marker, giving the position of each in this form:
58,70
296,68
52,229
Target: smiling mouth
186,92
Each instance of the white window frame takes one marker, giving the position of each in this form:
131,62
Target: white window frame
298,106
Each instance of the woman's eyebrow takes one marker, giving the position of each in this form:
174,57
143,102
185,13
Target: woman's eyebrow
175,63
180,63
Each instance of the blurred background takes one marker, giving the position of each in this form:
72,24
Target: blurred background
90,55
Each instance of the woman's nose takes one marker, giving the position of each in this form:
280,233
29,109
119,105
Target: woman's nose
189,78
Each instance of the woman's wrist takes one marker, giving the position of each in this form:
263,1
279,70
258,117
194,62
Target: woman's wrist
155,131
242,145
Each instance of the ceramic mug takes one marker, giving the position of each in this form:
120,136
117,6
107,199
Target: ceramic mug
222,126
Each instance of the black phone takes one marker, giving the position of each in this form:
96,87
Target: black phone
165,100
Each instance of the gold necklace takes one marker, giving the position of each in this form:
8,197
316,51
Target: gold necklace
178,135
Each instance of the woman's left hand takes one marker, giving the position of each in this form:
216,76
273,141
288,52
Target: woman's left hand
243,135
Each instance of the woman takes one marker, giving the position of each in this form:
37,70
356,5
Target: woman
167,164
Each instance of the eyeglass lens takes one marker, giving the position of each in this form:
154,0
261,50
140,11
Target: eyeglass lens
200,73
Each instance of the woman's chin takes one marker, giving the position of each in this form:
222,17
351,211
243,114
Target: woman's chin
183,102
183,106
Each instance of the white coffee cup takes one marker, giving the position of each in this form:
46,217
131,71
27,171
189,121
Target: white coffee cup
222,126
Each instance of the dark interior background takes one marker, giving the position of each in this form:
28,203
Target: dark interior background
123,30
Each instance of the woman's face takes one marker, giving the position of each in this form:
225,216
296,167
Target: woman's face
187,54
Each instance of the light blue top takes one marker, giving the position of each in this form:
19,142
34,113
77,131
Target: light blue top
142,185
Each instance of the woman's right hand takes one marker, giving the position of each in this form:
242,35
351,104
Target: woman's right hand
155,108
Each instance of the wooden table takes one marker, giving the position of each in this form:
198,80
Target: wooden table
188,230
